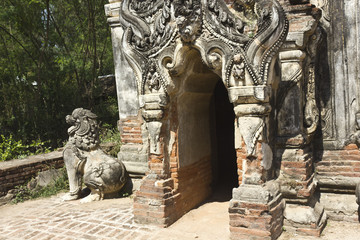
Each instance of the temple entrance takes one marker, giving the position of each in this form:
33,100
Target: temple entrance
206,151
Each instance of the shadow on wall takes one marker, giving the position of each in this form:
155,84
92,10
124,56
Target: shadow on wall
225,176
323,97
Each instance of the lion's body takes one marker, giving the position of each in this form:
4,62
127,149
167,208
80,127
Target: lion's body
103,172
103,175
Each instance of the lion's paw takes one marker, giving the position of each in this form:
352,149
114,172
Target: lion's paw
70,197
90,198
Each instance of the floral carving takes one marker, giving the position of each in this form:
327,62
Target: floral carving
188,19
255,30
312,114
223,23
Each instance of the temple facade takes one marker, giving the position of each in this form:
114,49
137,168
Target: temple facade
257,98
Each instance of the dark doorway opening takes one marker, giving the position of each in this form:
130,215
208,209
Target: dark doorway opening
225,176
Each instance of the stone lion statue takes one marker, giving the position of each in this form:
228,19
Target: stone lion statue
84,160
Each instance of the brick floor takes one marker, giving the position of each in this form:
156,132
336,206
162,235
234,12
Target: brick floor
52,219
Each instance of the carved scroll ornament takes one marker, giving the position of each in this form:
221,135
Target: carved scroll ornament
244,38
238,42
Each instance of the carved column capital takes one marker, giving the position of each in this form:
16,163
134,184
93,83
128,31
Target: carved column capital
112,11
153,105
152,111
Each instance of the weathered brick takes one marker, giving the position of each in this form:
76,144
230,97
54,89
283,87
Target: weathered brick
263,222
351,147
250,232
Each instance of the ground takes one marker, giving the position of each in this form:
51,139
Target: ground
112,219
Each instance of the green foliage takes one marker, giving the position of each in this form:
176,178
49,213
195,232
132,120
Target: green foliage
12,149
60,184
51,54
9,148
107,111
109,134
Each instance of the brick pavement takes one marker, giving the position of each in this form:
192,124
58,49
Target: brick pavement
52,219
113,219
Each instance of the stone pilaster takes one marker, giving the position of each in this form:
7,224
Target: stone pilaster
256,212
298,119
134,151
154,201
256,209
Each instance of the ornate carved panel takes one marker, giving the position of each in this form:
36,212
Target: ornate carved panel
338,75
235,42
239,43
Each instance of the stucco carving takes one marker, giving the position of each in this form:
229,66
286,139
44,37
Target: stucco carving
238,44
83,158
210,27
298,115
324,5
188,19
312,114
355,137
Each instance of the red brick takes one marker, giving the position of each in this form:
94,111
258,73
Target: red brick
351,147
288,164
309,231
250,232
263,222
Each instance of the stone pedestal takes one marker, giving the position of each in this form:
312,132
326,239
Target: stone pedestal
256,212
154,202
296,175
304,219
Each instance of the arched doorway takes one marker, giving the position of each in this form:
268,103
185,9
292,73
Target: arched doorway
205,119
176,99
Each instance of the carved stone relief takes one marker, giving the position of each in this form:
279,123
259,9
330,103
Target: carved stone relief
324,5
339,71
298,113
188,17
238,44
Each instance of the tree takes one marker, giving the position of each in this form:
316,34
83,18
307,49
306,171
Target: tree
51,53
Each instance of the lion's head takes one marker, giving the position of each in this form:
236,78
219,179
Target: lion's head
84,130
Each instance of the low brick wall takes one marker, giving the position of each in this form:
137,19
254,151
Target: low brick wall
162,202
338,169
337,172
193,183
19,171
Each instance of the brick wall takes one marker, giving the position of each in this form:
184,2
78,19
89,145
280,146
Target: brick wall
337,173
297,174
338,169
130,129
248,167
20,171
163,201
193,185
